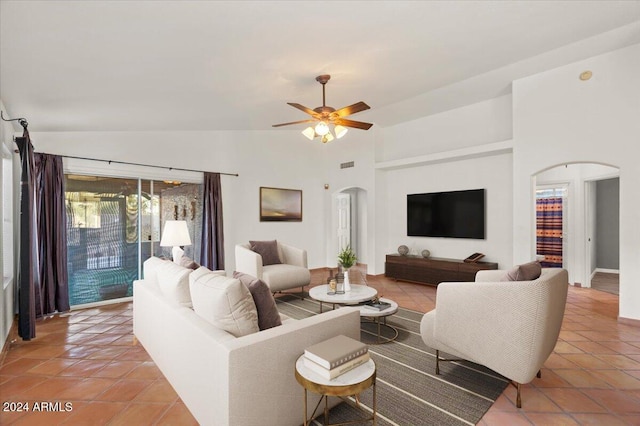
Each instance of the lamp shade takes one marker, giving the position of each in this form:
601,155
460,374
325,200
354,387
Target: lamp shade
340,131
175,233
322,128
309,133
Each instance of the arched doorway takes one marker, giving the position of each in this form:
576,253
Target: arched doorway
586,229
349,224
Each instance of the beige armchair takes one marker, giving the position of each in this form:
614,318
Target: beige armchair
291,273
510,327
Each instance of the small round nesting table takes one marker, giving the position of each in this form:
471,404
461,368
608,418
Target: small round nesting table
379,318
350,383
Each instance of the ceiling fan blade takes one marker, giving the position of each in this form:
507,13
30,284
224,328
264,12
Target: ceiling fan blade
351,123
352,109
304,109
294,122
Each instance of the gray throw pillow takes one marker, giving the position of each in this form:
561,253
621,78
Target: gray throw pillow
268,315
525,272
268,250
187,262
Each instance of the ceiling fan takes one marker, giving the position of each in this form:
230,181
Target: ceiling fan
330,123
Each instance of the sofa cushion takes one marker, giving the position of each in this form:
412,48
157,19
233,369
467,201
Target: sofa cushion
525,272
268,250
284,276
173,281
224,302
268,315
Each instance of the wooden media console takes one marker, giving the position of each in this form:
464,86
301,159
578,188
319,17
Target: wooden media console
432,270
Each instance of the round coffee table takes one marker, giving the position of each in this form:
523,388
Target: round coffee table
350,383
358,294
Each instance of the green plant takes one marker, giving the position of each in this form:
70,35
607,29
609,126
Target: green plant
347,257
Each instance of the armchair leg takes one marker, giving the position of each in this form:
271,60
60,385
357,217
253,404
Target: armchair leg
539,375
518,387
437,361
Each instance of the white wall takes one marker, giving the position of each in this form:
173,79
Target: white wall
491,173
477,124
283,159
560,119
456,130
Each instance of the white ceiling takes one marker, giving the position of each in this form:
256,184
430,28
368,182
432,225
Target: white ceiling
233,65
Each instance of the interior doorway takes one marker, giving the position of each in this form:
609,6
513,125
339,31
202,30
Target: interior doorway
586,228
603,224
350,222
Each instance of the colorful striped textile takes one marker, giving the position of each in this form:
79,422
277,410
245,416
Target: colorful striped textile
549,231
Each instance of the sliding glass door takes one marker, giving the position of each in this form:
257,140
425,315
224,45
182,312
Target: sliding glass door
114,224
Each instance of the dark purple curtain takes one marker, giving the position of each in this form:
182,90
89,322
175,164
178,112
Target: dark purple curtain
52,234
212,255
27,269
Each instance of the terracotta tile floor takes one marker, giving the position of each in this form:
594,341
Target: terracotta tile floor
87,358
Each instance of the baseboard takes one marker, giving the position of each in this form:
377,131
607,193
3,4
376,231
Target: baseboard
606,271
629,321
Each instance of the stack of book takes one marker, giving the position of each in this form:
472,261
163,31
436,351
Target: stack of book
335,356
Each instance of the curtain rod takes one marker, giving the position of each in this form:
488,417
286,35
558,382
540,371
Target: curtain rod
22,121
140,164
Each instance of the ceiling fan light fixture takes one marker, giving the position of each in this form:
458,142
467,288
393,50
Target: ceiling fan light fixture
327,138
322,128
309,133
340,131
328,123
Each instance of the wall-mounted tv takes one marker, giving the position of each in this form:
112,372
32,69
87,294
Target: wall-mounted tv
452,214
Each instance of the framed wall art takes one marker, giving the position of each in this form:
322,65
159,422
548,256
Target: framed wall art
280,205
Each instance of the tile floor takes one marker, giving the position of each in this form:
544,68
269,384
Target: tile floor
87,358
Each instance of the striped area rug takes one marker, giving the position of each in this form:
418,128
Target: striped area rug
409,392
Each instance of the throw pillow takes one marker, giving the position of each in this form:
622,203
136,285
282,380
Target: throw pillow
268,250
224,302
268,315
173,281
525,272
187,262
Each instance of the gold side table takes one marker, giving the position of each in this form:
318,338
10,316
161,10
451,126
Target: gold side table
350,383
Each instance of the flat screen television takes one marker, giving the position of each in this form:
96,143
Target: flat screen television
452,214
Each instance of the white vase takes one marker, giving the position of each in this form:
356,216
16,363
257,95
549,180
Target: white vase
347,284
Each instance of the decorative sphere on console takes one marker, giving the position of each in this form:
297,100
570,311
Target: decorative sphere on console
403,250
426,253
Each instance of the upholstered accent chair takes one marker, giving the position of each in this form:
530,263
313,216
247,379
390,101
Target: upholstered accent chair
286,271
510,327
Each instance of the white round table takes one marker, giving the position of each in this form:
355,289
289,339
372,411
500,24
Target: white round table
355,297
379,318
358,294
350,383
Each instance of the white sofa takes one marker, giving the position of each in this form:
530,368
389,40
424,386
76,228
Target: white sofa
222,379
291,273
510,327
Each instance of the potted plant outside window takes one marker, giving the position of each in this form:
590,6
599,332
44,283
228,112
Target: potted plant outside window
347,258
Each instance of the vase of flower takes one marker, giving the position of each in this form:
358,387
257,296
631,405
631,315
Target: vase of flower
347,258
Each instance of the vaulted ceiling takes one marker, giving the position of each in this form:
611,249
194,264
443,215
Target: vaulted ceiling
233,65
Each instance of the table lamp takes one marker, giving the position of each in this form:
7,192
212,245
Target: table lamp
176,235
